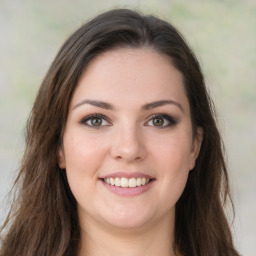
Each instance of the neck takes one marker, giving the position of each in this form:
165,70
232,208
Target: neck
97,240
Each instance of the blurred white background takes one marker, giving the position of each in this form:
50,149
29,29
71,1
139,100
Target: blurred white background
223,36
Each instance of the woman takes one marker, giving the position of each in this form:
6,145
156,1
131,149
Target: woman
122,156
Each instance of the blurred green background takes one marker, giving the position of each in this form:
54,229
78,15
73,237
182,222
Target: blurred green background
221,32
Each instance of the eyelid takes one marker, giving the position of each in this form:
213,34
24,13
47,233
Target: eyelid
87,118
170,119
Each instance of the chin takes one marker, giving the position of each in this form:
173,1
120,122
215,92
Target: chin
127,225
129,220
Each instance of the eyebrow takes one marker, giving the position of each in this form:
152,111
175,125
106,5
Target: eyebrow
96,103
162,103
148,106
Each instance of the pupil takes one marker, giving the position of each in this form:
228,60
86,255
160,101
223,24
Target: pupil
96,121
158,121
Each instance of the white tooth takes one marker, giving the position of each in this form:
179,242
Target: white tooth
138,182
117,182
112,181
124,182
132,183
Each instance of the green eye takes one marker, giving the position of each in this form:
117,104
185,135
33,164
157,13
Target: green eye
161,121
95,121
158,121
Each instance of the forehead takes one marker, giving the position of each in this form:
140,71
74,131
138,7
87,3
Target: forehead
130,75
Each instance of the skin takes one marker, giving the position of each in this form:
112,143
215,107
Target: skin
128,140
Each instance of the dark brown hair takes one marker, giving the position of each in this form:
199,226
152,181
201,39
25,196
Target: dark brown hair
43,218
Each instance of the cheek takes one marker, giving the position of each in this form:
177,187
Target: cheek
82,152
81,162
81,167
83,157
172,153
173,168
172,159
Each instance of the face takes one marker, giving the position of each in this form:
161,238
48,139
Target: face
128,144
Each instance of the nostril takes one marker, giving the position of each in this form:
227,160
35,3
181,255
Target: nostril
128,147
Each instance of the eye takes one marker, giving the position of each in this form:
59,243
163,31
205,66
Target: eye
95,121
161,121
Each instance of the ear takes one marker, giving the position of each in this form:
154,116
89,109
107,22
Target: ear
61,158
196,145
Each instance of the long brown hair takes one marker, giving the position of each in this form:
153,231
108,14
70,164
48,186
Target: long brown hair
43,218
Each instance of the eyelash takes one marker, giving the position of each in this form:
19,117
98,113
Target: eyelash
171,121
94,116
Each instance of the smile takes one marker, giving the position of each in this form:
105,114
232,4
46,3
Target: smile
127,183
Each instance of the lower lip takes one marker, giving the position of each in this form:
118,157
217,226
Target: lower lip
128,191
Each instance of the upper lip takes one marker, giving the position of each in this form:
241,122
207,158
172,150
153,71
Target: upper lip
127,175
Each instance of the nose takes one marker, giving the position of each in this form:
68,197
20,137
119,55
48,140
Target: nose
128,145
